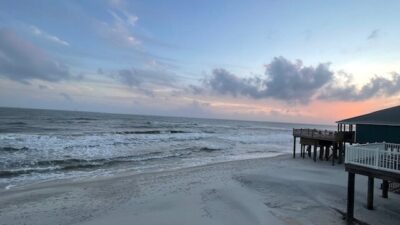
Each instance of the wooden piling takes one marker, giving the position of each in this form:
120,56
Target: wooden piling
302,151
327,150
370,197
315,153
334,153
294,147
321,152
350,198
340,157
385,188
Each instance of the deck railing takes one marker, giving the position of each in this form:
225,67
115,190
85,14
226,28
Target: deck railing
314,133
325,134
381,156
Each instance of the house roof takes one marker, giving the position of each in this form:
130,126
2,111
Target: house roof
389,117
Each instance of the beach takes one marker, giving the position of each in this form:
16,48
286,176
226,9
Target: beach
277,190
118,112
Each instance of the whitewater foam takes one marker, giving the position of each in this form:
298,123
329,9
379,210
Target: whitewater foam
40,145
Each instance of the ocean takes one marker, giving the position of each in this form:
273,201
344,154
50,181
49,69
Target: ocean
42,145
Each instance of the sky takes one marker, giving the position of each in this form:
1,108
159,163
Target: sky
274,60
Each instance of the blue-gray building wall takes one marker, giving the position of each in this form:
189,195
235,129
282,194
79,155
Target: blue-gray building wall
377,133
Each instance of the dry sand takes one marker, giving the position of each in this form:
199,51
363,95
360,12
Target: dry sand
278,190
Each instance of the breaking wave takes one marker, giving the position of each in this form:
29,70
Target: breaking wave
38,145
153,132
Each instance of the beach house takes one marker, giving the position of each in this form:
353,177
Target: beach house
376,154
379,126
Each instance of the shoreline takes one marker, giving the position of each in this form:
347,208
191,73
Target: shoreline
124,174
275,190
115,175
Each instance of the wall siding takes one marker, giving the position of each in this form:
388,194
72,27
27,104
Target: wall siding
377,133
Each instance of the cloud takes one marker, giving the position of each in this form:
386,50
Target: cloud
293,82
374,34
377,86
47,36
100,71
287,80
66,96
42,87
195,109
138,77
184,107
119,30
22,61
120,6
283,80
224,82
129,77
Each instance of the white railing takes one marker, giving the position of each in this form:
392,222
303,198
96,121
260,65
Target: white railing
381,156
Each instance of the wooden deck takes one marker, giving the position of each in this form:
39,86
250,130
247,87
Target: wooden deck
378,160
380,156
329,144
325,135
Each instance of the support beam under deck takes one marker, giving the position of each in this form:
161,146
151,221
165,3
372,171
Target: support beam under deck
370,197
350,198
385,188
294,147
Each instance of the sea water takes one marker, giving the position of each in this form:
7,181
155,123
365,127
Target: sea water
41,145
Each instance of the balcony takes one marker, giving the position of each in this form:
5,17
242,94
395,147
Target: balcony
379,156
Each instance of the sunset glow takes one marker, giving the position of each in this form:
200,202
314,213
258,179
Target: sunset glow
293,61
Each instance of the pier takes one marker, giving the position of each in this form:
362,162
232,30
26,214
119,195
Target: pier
324,144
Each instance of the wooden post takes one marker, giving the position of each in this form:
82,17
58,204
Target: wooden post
340,160
327,150
370,198
350,198
334,153
385,188
302,150
321,152
344,149
315,153
294,147
336,150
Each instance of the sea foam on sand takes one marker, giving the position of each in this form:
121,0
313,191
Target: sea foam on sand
279,190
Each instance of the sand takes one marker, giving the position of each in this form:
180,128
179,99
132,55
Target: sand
278,190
